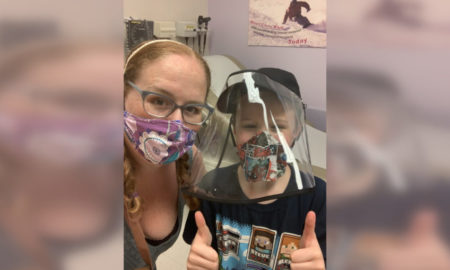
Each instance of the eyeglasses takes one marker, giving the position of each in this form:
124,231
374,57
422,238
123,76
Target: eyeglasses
161,106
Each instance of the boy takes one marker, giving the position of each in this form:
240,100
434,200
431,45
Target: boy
267,211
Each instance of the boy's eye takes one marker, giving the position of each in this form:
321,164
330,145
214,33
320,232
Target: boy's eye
280,127
249,126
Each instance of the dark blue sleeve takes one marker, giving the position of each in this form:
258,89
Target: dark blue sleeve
319,207
209,212
190,228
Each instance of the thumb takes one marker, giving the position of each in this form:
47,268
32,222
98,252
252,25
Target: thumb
309,236
203,234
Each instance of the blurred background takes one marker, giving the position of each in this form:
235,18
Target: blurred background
61,134
388,129
388,134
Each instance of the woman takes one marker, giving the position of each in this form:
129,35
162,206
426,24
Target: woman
166,84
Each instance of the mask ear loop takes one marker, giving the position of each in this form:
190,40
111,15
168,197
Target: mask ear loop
233,139
198,139
232,131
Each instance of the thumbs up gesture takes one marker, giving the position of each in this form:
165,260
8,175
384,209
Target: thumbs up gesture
309,255
202,255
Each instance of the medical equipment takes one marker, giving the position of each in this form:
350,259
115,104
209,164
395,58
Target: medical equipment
202,30
185,29
137,31
164,29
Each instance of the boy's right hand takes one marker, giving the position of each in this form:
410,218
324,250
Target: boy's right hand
309,255
202,255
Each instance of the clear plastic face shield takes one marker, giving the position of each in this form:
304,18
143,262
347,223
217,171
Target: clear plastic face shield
255,145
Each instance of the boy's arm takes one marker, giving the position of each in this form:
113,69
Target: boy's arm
190,229
312,252
319,207
202,255
309,255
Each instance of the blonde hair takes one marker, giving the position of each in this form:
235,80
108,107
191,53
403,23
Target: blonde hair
143,54
150,51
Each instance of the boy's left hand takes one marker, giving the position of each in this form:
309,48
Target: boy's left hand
309,255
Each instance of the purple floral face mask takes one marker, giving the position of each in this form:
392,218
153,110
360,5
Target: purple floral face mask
157,140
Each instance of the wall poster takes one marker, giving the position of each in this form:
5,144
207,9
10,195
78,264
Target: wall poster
289,23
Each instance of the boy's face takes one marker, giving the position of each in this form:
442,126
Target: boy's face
249,120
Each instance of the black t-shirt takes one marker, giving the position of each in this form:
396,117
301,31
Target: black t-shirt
248,236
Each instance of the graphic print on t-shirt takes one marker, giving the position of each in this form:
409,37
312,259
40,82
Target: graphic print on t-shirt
232,238
227,239
288,243
260,248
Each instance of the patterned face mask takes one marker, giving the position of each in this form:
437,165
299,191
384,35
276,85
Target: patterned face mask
157,140
262,158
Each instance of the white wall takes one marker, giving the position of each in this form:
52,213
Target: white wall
165,10
228,35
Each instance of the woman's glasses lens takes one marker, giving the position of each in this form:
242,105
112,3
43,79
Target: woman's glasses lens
195,114
158,105
161,106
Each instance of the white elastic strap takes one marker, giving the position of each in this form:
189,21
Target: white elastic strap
290,158
253,95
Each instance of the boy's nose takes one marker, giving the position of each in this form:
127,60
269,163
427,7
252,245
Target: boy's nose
258,131
263,128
